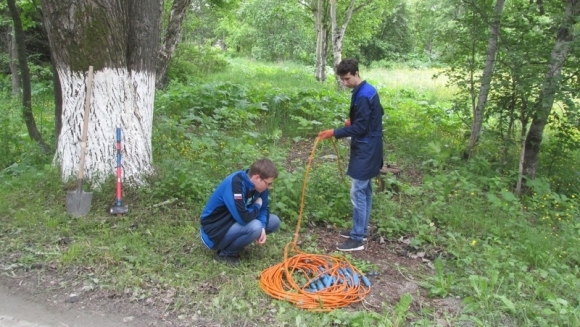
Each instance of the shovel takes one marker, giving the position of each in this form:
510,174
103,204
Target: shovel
78,203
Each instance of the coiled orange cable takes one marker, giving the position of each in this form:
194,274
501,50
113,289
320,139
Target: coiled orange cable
327,282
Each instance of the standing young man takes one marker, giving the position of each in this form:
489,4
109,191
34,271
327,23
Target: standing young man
237,213
365,127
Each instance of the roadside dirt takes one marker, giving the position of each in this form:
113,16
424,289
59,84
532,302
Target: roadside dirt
27,310
398,269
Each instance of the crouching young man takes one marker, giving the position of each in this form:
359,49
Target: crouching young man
237,213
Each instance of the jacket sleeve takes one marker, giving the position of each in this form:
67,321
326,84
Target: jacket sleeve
236,203
360,126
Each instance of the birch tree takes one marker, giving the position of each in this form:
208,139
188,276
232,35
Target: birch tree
543,105
121,40
338,35
321,11
485,78
338,29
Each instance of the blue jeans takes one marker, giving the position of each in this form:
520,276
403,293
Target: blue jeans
361,196
240,236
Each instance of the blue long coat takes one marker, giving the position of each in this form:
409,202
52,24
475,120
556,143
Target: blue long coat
366,132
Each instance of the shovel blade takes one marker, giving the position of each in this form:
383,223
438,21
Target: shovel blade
78,203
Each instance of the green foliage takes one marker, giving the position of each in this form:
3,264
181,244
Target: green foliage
510,260
14,139
308,110
323,206
396,317
271,30
28,13
18,152
391,40
286,194
440,284
192,62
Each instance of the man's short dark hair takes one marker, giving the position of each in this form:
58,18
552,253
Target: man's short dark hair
346,66
264,168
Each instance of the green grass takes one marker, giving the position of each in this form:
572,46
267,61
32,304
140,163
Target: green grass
286,75
428,81
510,260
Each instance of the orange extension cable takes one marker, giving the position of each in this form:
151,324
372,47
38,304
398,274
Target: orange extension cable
313,281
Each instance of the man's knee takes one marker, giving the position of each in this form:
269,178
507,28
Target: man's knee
273,224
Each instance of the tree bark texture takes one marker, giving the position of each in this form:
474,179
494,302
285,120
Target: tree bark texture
519,184
172,38
550,85
321,22
485,79
13,61
121,40
25,78
338,36
57,104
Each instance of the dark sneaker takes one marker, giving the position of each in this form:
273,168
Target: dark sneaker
346,234
232,260
351,245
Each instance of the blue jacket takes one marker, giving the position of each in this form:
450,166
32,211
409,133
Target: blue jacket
366,132
232,202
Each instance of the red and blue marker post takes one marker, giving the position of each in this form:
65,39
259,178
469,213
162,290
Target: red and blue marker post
119,209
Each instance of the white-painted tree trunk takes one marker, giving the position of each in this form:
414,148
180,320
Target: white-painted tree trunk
119,98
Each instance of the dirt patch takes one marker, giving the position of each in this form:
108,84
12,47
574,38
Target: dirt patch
398,269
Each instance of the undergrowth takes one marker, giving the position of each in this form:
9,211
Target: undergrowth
510,259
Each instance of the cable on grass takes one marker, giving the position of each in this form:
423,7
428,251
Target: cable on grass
314,282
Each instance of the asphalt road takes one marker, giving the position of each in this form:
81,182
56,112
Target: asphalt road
17,310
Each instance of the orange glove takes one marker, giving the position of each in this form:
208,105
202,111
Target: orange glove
326,134
347,122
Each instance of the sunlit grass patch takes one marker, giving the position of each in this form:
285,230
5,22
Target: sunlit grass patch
420,80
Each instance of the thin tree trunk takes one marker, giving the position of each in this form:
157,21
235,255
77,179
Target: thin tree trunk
543,105
25,75
519,184
322,31
13,63
338,36
510,124
172,38
485,79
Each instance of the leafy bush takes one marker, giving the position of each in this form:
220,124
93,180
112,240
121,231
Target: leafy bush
192,62
18,151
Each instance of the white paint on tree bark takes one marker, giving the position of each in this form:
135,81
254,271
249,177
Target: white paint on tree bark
119,99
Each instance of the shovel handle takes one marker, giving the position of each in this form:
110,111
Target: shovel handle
86,123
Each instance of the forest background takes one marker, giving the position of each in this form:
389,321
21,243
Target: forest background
481,114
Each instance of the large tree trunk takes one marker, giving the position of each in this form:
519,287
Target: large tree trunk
25,78
172,37
121,40
543,105
321,11
485,79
